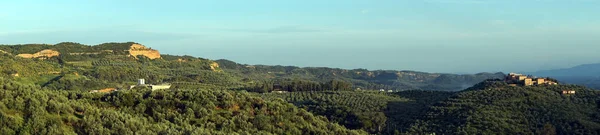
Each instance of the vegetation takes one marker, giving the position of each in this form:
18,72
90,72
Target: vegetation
51,96
84,68
375,112
402,115
354,109
27,109
99,62
360,78
300,85
514,110
12,66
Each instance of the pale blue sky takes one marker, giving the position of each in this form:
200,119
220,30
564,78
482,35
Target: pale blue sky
423,35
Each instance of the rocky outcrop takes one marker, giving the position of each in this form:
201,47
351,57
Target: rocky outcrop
2,51
42,54
215,66
137,50
181,60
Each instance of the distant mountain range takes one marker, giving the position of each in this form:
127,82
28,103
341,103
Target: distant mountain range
361,78
587,74
92,67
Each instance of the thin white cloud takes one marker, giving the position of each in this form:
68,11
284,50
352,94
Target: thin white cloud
365,11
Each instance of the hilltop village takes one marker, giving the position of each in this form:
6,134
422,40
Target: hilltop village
515,79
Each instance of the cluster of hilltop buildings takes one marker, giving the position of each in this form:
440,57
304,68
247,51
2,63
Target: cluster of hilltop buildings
515,79
525,80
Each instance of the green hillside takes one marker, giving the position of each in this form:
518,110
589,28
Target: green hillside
95,66
27,109
487,108
499,108
66,47
51,95
356,110
375,112
361,78
83,68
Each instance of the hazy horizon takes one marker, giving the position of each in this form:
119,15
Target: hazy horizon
444,36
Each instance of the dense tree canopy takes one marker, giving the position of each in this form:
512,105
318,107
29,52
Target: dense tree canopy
515,110
27,109
354,109
51,96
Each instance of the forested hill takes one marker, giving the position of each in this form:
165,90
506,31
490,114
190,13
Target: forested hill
361,78
72,66
29,109
67,48
490,107
55,89
495,107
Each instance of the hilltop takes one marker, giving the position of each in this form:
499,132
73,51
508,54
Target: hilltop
93,65
73,66
361,78
28,109
496,107
70,49
492,106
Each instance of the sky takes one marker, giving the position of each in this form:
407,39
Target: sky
446,36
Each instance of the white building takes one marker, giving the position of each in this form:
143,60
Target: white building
142,83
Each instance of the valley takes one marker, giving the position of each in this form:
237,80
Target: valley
129,88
